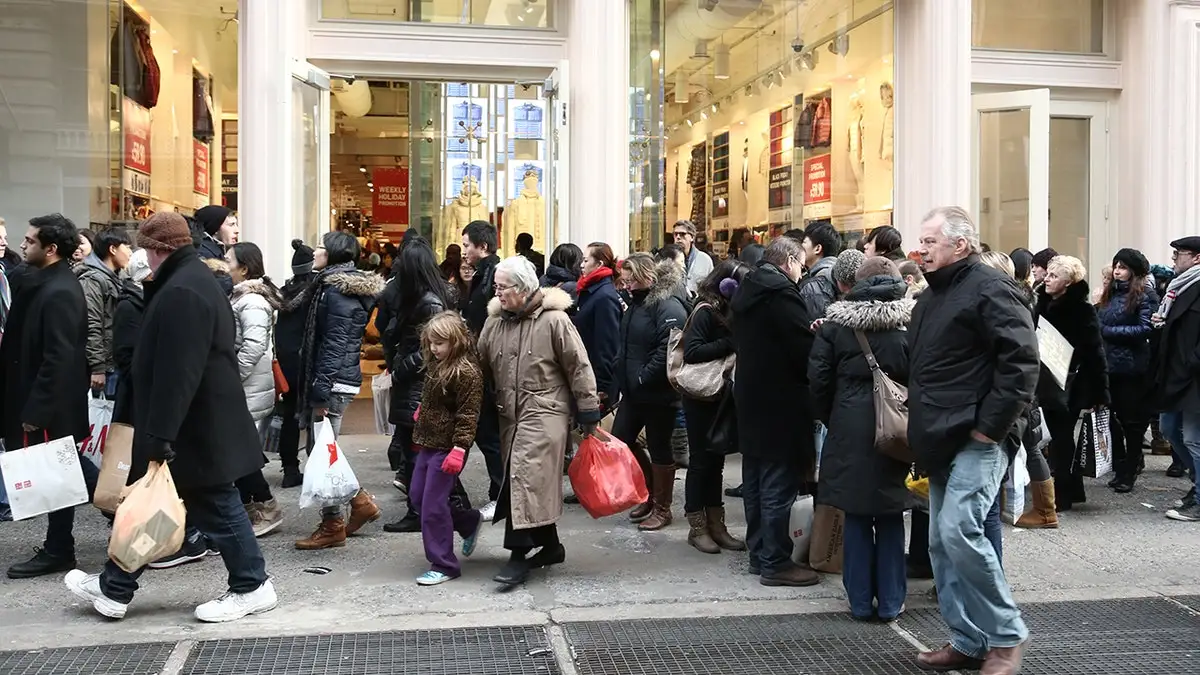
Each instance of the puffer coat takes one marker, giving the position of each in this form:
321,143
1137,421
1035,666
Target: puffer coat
1126,330
855,477
101,289
254,305
645,329
539,367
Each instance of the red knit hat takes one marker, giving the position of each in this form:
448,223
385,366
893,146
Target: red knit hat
164,231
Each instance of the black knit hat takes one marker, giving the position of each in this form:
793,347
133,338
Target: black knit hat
302,259
1043,257
211,217
1134,260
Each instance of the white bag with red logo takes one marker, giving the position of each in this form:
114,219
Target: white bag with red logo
800,527
100,412
328,478
43,478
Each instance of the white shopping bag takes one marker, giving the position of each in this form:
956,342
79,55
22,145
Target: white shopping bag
100,412
381,393
800,527
328,478
1015,482
43,478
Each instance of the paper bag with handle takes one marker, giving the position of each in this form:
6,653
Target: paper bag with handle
114,470
149,522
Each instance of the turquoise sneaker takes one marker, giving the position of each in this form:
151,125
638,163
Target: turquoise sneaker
433,578
468,546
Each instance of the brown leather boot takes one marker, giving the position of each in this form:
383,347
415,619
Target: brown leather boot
715,515
698,536
331,533
362,511
642,511
1004,660
945,659
664,490
1159,445
1042,514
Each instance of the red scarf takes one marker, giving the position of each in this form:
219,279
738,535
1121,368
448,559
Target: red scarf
597,275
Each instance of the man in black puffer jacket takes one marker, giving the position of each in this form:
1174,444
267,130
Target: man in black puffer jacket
289,340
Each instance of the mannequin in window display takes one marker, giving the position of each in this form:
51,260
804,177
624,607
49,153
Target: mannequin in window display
887,96
526,213
855,147
466,207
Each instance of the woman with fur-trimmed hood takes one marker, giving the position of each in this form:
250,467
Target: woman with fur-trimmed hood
855,477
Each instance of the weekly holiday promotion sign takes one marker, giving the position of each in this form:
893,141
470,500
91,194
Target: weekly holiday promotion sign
390,202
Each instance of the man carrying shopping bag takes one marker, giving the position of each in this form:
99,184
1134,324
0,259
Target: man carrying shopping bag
189,409
43,372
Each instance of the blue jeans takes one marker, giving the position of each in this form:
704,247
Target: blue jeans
994,531
1182,429
973,594
768,490
873,568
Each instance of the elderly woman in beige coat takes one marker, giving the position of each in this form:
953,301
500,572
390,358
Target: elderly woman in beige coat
533,355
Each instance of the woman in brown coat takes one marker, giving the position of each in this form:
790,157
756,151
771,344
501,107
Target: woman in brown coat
531,351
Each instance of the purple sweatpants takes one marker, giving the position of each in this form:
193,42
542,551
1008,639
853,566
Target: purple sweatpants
430,493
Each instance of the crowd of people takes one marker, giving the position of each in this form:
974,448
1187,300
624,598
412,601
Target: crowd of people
191,338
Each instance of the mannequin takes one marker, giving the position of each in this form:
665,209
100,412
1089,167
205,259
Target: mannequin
746,165
855,148
467,206
526,213
887,96
764,156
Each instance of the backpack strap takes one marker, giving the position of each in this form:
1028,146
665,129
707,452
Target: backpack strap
866,349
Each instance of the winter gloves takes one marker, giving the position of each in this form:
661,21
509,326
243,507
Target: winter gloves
159,450
453,464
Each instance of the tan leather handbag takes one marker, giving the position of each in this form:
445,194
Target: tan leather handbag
891,409
703,381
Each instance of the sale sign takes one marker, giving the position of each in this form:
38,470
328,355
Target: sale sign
200,171
135,126
390,203
817,179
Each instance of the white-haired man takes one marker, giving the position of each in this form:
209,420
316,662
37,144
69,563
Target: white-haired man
974,367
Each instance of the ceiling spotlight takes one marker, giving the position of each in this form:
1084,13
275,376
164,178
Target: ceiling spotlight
721,62
362,168
681,86
785,70
769,80
715,107
703,115
840,45
370,184
654,54
808,60
690,122
708,5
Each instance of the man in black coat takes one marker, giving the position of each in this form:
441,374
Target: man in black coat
189,410
1179,365
479,249
973,370
775,420
44,373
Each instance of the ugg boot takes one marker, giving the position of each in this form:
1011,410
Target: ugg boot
362,511
330,534
698,536
1042,515
664,489
715,516
1159,445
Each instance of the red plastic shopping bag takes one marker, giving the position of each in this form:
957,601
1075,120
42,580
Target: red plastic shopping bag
606,477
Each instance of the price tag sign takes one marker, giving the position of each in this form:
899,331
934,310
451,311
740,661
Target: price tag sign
817,180
135,125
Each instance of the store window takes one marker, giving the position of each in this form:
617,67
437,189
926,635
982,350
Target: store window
778,116
495,13
1070,26
115,110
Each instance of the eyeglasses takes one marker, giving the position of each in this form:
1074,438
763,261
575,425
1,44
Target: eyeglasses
1175,254
500,288
679,235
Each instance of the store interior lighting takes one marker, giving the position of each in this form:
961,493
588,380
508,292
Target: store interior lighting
721,62
681,86
363,168
708,5
808,60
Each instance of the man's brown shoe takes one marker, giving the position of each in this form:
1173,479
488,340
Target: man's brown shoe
331,533
1004,660
362,511
947,658
793,575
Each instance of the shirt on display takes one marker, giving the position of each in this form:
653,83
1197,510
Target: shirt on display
461,171
465,116
527,121
458,89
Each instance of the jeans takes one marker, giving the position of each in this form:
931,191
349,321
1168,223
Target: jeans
973,594
440,519
768,489
704,479
659,423
1183,430
337,409
216,511
873,564
1130,419
993,530
487,437
60,539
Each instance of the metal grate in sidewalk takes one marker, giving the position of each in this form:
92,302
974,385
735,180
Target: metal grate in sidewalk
136,659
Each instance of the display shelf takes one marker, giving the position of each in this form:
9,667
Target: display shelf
720,177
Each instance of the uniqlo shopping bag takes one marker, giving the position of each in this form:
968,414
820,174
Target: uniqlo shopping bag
100,412
114,470
1093,450
800,527
825,551
149,522
606,477
43,478
328,478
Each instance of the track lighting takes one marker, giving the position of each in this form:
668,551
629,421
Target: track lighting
721,62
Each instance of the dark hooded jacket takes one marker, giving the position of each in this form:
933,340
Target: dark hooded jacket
818,289
482,291
101,288
1178,357
645,328
1126,330
1074,316
289,326
563,278
406,360
855,477
770,386
127,326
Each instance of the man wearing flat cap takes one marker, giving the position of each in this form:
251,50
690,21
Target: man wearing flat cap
1179,365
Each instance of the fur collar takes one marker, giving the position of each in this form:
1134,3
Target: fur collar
552,300
871,315
356,283
257,287
670,282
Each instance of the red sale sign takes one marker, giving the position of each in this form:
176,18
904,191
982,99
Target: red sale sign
135,126
817,180
390,202
200,172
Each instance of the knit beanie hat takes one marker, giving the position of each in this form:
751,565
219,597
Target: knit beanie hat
139,266
847,265
211,217
876,266
164,231
1043,257
1134,260
302,259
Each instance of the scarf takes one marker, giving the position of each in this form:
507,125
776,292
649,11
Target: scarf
596,275
1177,286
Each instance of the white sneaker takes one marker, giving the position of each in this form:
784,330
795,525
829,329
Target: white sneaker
488,512
234,606
87,587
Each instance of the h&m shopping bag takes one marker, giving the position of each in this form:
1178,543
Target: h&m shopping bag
114,470
1093,451
825,551
100,412
149,522
800,524
381,397
328,478
1012,506
606,476
43,478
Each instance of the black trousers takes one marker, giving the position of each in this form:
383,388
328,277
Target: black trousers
521,542
1068,486
706,469
487,437
289,434
254,488
1130,420
659,422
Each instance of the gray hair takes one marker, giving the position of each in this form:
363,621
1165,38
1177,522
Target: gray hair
956,224
520,272
782,248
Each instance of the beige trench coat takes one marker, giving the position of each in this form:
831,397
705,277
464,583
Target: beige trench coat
539,365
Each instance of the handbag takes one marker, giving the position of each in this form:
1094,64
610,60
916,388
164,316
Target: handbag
281,383
891,409
723,435
703,381
1093,448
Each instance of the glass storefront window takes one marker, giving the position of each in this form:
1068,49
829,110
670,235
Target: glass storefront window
646,186
495,13
1070,26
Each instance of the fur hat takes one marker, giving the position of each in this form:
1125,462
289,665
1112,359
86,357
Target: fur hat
1134,260
1043,257
302,259
876,266
847,265
164,231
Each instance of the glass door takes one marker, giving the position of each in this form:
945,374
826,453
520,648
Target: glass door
1010,143
1079,180
310,152
557,151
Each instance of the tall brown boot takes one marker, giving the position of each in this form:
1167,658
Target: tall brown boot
642,511
1159,445
362,511
715,515
331,533
664,492
698,536
1042,514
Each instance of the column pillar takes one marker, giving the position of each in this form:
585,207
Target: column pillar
933,110
598,118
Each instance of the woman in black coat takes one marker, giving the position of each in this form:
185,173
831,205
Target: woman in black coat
598,320
707,338
1065,302
855,477
563,270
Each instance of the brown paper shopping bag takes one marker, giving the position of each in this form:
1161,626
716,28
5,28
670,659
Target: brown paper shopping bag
149,522
825,551
114,469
